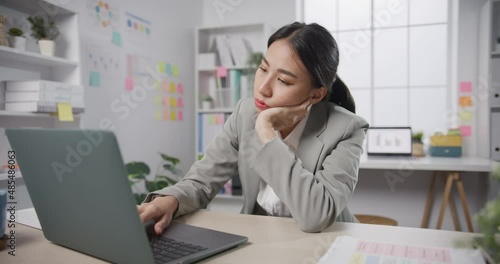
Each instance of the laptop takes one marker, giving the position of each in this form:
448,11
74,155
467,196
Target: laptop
79,188
389,141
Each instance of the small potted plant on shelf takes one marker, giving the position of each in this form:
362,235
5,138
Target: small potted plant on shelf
417,144
206,102
45,32
17,39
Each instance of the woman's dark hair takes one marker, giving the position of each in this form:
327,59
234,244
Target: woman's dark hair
319,53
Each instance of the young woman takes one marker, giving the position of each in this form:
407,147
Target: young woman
295,146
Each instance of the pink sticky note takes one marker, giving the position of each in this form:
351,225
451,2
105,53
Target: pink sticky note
466,131
180,116
180,103
180,89
465,87
129,83
166,115
165,86
221,71
165,101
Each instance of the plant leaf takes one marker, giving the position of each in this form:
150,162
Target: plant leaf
161,184
136,176
150,186
166,157
137,167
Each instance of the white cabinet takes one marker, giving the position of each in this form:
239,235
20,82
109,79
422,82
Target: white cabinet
17,65
209,121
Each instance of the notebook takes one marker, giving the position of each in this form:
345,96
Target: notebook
389,141
79,188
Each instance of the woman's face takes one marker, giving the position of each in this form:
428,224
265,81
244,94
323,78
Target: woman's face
281,79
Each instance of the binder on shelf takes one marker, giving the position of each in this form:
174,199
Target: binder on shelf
239,50
234,80
223,51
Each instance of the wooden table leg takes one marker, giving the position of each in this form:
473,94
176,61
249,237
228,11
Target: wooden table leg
428,203
453,210
446,198
461,193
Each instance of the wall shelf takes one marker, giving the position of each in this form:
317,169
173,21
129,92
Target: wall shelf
11,54
229,68
30,114
216,110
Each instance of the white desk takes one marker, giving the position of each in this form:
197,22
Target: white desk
271,240
447,168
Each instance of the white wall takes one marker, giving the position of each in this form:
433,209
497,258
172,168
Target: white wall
275,13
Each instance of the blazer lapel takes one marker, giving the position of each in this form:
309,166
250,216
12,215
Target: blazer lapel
310,146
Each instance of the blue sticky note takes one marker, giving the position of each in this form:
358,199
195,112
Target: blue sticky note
3,211
95,79
117,39
168,70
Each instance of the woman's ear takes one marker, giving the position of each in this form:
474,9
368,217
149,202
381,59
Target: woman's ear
318,94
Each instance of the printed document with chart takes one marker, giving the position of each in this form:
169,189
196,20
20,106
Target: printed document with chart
352,250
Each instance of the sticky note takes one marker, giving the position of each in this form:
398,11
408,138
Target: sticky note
165,101
65,112
160,67
117,38
172,87
465,115
157,100
164,85
168,69
129,83
466,131
173,116
180,89
95,79
156,85
173,103
465,87
221,71
176,70
166,115
180,103
216,120
158,115
465,101
180,116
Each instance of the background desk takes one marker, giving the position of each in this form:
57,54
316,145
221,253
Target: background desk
449,168
271,239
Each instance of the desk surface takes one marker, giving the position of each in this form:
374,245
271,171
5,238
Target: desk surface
471,164
272,239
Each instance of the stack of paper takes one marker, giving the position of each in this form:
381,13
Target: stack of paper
351,250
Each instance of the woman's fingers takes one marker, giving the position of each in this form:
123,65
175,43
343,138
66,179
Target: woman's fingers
149,211
162,224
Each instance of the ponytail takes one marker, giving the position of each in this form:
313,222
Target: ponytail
340,94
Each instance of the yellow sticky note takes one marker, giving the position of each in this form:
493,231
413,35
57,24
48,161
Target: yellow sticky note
160,67
173,102
172,87
176,70
465,115
65,112
157,100
158,115
173,116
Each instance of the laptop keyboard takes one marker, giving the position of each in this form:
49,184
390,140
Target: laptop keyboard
166,249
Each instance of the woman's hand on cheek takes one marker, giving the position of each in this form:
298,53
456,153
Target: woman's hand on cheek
278,119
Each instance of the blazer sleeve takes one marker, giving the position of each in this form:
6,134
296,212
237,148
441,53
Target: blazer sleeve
314,200
207,176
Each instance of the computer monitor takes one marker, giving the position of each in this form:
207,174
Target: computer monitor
389,141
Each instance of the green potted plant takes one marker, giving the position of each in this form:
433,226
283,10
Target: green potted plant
417,144
17,39
45,32
488,220
206,102
166,175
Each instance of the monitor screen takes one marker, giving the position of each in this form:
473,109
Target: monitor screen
389,141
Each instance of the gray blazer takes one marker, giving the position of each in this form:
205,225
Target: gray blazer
315,184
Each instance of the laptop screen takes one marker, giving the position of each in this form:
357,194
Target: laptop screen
389,141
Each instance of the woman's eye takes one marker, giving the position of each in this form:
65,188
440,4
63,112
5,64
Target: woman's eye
262,68
283,82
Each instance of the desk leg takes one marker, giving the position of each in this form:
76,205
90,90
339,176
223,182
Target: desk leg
453,210
446,198
461,192
428,203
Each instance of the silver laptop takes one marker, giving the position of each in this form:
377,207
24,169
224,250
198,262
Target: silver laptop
78,185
